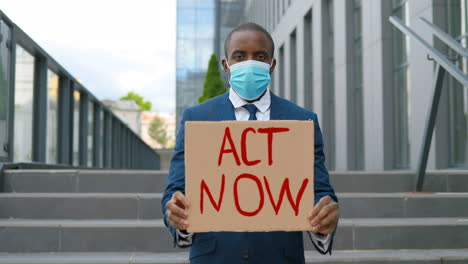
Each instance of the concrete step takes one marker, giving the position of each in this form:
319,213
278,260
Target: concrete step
155,181
434,256
402,205
148,205
81,205
85,181
398,181
26,236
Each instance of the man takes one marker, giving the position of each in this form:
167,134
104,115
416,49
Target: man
249,62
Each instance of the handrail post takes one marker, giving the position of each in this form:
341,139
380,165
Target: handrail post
429,129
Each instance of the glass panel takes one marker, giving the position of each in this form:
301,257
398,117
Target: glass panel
4,86
357,94
101,134
76,128
292,67
308,58
329,93
281,61
458,95
401,88
90,133
24,89
110,145
52,114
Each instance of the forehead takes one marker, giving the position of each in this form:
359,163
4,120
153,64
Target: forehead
249,41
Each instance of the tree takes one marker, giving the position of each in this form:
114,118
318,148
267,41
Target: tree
213,85
158,131
131,96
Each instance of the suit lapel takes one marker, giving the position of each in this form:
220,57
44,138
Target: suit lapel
225,110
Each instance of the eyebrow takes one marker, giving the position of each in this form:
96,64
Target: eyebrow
237,51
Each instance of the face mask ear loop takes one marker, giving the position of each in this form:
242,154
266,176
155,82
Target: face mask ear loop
227,63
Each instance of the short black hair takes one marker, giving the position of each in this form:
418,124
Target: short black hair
252,27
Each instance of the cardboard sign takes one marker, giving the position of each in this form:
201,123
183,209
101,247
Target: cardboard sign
249,175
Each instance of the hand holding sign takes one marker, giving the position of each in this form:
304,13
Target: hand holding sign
176,211
249,175
324,216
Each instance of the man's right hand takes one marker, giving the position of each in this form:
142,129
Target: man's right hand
176,211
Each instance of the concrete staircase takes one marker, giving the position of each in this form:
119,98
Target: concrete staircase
101,216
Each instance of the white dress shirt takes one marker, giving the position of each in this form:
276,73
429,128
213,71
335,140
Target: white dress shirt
263,114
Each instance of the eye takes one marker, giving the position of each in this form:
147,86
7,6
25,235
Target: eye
261,57
238,57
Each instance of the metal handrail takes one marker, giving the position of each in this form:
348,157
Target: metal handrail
443,65
435,54
446,38
130,143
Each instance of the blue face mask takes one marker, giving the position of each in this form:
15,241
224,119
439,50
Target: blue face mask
250,78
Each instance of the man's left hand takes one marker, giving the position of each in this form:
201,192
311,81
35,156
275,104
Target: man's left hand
324,216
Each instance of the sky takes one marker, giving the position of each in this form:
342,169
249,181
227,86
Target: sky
113,47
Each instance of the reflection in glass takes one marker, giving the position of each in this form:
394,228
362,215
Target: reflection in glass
76,128
90,133
24,88
52,114
195,44
4,85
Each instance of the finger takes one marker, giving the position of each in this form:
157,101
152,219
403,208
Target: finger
326,230
175,209
326,210
328,221
181,199
177,222
329,224
321,203
316,228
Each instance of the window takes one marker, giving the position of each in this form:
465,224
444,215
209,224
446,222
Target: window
457,21
52,115
308,59
76,128
24,91
401,88
292,67
357,111
329,84
102,136
90,133
4,87
281,72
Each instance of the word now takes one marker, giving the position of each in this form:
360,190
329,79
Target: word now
276,204
232,148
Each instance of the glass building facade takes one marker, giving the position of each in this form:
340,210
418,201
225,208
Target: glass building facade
202,26
195,45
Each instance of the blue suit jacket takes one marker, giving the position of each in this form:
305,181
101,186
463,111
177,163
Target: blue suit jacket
245,247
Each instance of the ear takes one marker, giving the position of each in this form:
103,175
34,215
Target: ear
273,65
224,62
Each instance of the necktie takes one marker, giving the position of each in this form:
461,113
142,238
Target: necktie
252,111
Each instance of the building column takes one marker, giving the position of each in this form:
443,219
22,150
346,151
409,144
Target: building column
377,85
